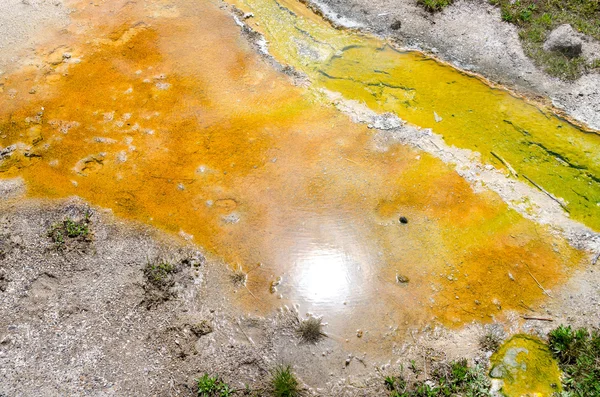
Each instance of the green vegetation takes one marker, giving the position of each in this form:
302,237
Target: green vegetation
434,5
70,229
578,355
456,378
284,382
212,386
159,273
310,330
537,18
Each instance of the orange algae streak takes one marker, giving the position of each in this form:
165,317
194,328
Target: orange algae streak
174,121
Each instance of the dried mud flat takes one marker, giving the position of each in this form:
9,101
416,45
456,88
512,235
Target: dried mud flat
85,320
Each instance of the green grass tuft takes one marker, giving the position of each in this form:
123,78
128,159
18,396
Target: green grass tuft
578,355
434,5
284,382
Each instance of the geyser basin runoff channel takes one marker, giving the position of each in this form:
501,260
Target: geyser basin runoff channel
543,149
164,113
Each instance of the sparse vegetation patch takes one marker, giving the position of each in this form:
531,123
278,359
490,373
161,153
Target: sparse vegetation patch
159,273
212,386
578,355
160,280
70,230
434,5
537,18
454,379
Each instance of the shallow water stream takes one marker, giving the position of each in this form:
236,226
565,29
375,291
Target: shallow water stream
163,112
541,147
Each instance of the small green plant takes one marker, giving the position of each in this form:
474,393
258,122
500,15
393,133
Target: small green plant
61,232
212,386
578,355
310,330
158,273
414,368
284,382
434,5
76,229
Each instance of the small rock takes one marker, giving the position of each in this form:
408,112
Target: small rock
274,284
396,25
403,220
400,279
564,39
359,333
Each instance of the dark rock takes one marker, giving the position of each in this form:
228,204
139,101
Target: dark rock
396,25
403,220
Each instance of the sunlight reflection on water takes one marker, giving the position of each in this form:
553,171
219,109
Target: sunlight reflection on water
324,275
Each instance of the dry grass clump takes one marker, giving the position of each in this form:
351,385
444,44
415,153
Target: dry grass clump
239,277
490,341
310,330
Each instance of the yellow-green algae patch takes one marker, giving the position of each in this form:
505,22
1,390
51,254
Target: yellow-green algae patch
543,148
527,368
